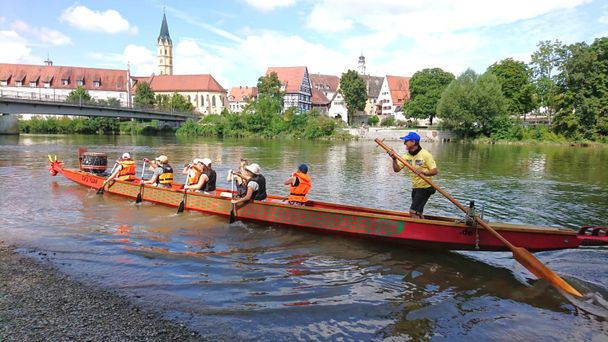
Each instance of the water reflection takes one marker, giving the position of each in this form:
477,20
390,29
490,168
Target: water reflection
250,281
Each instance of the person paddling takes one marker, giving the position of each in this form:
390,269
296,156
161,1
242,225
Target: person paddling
240,177
299,185
194,171
162,172
256,185
124,170
423,162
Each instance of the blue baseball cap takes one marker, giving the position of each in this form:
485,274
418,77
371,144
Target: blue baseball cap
303,168
411,136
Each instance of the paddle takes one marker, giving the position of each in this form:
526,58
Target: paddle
100,191
180,209
232,205
522,255
141,185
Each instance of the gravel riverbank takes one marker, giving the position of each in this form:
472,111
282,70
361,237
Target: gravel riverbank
38,303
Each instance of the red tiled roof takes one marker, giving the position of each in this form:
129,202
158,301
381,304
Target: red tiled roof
185,83
399,87
325,83
111,79
291,77
238,93
319,98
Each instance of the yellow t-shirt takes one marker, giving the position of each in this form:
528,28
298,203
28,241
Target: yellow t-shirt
422,160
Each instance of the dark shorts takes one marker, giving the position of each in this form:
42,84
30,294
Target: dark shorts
419,198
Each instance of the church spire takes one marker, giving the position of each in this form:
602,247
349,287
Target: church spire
164,31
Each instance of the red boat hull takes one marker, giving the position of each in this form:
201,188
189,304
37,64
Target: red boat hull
393,226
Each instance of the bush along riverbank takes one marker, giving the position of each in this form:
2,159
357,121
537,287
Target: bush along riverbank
309,125
84,125
519,133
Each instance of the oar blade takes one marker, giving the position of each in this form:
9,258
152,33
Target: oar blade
232,215
180,209
529,261
101,190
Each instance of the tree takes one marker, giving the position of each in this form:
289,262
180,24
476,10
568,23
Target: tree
472,104
144,96
79,95
515,81
546,64
270,96
109,102
426,87
181,104
270,86
352,87
582,98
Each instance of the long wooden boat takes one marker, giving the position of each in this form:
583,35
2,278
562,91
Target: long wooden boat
393,226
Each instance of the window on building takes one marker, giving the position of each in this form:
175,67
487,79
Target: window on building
4,83
189,99
96,84
80,83
19,83
65,81
33,84
47,84
213,100
202,100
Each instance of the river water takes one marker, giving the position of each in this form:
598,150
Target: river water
259,282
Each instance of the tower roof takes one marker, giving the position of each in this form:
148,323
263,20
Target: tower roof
164,31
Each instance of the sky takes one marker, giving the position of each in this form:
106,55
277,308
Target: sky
237,40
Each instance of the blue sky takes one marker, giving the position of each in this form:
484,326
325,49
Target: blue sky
237,40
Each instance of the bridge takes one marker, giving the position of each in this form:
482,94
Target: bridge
31,103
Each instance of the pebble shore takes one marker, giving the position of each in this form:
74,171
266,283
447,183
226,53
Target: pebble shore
39,303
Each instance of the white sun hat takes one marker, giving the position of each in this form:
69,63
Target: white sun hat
126,155
253,168
206,161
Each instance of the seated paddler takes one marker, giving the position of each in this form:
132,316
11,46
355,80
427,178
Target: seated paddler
299,185
193,172
256,185
162,172
124,169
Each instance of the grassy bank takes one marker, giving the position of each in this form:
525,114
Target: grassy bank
84,125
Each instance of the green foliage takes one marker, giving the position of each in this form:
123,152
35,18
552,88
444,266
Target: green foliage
373,120
546,64
270,86
110,102
65,125
175,102
472,105
354,91
388,121
426,87
515,81
79,95
309,125
144,96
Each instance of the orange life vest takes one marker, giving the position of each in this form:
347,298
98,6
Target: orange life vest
127,172
194,175
298,192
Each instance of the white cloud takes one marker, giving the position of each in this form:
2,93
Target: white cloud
15,48
412,18
109,21
141,60
43,34
197,22
269,5
603,19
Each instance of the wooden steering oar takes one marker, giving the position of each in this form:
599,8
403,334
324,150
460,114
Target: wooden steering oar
522,255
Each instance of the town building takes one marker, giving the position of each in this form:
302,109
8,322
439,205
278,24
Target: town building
295,83
54,83
394,92
240,96
164,46
373,85
203,91
325,88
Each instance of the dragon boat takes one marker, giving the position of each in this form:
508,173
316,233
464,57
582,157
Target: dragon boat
394,226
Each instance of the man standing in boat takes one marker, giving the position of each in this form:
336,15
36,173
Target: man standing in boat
256,185
299,185
124,170
423,162
162,172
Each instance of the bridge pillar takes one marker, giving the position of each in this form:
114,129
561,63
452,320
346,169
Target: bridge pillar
9,124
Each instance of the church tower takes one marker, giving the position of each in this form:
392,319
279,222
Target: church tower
165,49
361,66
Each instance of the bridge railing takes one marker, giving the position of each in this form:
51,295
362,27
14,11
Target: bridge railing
63,99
